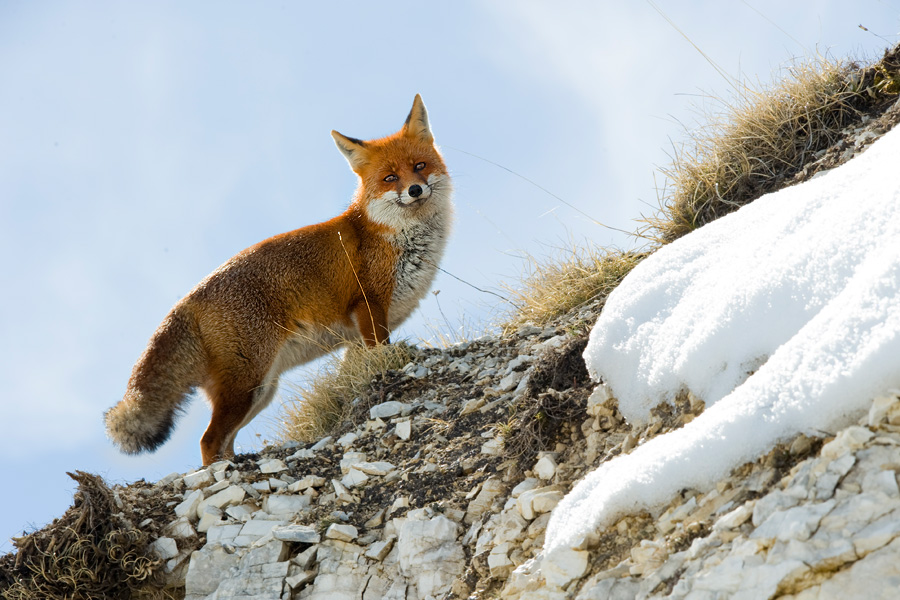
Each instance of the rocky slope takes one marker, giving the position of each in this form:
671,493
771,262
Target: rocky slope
419,499
442,482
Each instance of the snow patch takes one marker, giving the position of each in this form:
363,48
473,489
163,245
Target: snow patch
784,317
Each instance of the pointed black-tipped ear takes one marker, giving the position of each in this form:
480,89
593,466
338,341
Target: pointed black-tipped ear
354,150
416,124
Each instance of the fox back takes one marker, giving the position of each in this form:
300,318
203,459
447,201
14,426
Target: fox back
296,296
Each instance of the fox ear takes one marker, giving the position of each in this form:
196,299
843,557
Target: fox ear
354,150
416,124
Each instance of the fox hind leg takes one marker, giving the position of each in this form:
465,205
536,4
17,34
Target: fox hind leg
262,398
229,416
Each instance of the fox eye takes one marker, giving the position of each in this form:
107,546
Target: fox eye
419,166
390,178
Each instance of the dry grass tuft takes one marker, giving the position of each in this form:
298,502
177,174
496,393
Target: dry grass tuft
577,277
326,400
95,550
761,139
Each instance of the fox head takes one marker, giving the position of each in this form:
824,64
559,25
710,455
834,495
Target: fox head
403,179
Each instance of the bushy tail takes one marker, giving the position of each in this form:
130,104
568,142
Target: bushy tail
165,374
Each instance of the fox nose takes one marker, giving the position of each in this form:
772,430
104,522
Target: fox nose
415,190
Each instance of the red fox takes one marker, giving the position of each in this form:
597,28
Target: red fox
296,296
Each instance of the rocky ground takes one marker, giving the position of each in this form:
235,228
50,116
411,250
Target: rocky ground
442,482
442,485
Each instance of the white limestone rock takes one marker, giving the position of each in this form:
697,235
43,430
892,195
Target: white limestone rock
218,486
208,567
879,409
180,528
347,439
335,586
403,429
734,518
796,523
323,443
299,580
164,548
223,534
257,573
271,465
507,526
852,513
564,565
351,458
598,397
545,502
230,496
220,465
377,520
261,554
386,410
525,501
304,534
881,482
498,561
341,491
285,504
341,531
771,503
492,447
378,468
545,468
309,481
647,556
875,577
354,478
211,516
472,405
490,489
188,507
529,483
241,512
878,533
398,503
380,549
509,382
846,441
256,528
171,478
302,453
305,559
430,556
199,478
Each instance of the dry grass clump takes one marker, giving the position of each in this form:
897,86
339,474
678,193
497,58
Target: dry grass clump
762,138
578,276
326,400
95,550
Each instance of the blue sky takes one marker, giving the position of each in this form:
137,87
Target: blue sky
143,144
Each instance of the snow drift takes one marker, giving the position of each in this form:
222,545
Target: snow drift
784,317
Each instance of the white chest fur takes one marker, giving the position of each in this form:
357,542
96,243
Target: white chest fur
421,248
419,234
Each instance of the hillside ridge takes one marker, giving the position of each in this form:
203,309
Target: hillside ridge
441,482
